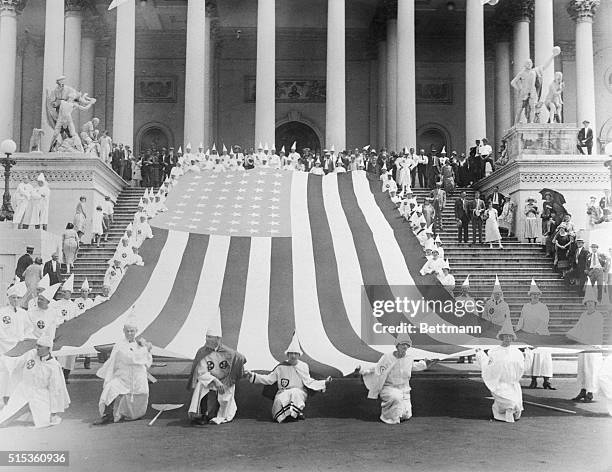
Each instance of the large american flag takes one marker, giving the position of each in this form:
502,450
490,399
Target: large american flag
278,252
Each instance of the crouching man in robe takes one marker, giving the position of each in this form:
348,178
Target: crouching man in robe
502,370
126,389
289,384
38,385
389,380
214,373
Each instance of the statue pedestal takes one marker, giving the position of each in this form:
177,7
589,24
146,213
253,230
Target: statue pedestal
14,242
577,177
70,175
541,139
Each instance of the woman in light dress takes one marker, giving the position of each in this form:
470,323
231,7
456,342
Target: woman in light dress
492,227
97,226
70,246
532,214
80,217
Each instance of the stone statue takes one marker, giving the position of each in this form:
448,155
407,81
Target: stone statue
554,100
61,102
35,139
90,137
528,84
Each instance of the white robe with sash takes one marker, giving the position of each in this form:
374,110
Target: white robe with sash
389,380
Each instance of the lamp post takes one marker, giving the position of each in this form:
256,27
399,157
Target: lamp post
7,147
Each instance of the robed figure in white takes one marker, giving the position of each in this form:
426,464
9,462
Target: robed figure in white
38,386
502,370
289,384
389,380
126,389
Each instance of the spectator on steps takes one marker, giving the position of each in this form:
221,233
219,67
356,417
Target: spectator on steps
97,226
24,262
477,209
52,268
70,246
506,219
532,214
80,217
491,227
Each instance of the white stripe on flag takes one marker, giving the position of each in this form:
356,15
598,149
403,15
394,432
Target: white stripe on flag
206,301
393,261
253,340
349,270
153,298
308,323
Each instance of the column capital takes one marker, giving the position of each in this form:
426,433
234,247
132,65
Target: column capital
75,6
582,10
12,6
521,10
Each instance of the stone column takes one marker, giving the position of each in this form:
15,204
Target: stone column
8,62
391,123
381,140
583,12
125,51
335,107
602,42
503,97
209,66
53,61
195,73
475,110
544,39
522,12
265,98
406,71
73,19
88,61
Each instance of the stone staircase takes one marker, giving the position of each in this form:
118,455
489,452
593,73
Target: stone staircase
92,261
515,265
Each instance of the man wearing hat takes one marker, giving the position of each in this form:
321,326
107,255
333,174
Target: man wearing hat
289,384
13,318
429,212
421,160
389,380
126,388
502,370
214,373
578,264
597,267
44,317
113,275
496,310
438,196
589,332
40,385
534,319
585,138
446,278
434,265
24,262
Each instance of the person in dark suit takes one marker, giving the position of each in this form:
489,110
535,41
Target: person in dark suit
117,156
475,162
477,208
585,138
24,262
597,266
498,200
578,264
463,217
52,268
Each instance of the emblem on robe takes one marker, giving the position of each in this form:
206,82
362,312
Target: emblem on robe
113,273
6,320
124,255
40,324
81,306
139,231
382,369
30,364
491,310
64,312
284,383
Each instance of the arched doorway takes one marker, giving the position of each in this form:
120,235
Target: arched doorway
431,137
153,136
299,132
